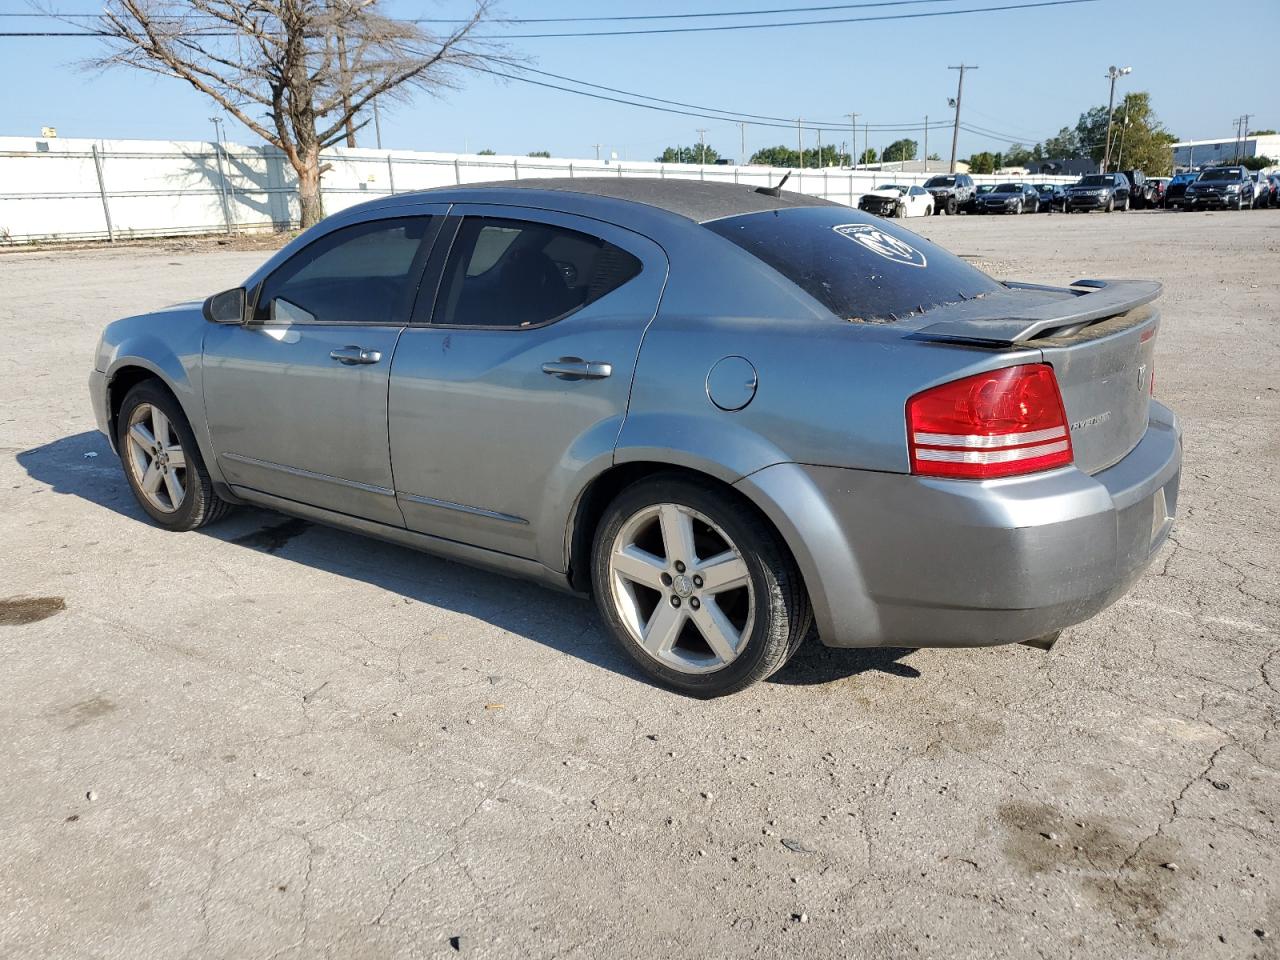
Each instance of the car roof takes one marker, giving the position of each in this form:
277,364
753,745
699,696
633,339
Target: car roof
696,200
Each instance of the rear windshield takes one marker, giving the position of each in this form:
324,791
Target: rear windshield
1094,180
858,267
941,182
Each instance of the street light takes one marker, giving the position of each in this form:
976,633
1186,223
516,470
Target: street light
1113,74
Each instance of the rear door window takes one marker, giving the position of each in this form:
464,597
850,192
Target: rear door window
521,273
859,268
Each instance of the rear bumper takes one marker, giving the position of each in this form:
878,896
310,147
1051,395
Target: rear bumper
894,560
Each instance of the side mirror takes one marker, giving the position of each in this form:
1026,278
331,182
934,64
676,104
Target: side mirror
226,307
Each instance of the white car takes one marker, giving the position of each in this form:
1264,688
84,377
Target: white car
897,200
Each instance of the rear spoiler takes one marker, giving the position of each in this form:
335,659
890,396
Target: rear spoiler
1098,300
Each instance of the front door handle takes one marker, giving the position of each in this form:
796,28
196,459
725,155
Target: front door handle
575,368
351,355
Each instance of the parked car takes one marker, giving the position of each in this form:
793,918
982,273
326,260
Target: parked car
897,200
1052,197
1010,198
1262,190
1175,192
1099,191
1231,188
560,379
1158,187
1141,193
981,190
1274,180
951,192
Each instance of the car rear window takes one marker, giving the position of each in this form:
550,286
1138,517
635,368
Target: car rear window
858,267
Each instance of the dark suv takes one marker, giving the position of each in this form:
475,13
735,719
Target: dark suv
1099,191
1228,187
951,192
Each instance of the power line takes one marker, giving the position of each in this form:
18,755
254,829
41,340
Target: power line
670,30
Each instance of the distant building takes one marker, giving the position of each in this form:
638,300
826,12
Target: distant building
1194,154
915,166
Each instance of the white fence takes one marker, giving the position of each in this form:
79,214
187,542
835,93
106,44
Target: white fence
112,189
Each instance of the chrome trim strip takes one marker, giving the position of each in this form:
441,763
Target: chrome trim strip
464,508
991,456
309,475
994,440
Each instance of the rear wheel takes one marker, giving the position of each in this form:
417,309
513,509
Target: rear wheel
697,588
163,463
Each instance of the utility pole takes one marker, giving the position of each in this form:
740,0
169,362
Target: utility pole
1113,74
926,143
1244,136
377,123
222,175
742,146
819,147
853,132
1124,125
597,146
955,130
702,145
799,144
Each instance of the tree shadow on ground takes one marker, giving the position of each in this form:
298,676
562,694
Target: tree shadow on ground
84,466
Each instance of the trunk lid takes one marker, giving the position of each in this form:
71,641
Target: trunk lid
1099,338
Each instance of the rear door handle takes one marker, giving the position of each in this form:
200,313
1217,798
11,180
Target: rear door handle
575,368
352,355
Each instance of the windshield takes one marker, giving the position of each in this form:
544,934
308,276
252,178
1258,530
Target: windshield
1227,173
1095,180
858,267
941,182
986,188
892,186
1009,188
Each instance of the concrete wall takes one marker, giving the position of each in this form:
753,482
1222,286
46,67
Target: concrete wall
71,189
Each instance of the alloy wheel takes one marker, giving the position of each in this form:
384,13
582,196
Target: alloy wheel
156,458
681,588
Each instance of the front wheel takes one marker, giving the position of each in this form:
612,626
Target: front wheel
1124,207
1017,207
1111,205
163,463
697,588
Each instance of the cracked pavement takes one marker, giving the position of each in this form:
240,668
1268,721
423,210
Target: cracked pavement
301,743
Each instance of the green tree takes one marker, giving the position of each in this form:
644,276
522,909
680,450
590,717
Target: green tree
1259,162
869,155
779,156
1018,156
539,153
486,152
1064,146
1147,145
1262,133
698,153
903,149
984,162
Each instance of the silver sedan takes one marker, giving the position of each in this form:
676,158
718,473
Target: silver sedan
729,414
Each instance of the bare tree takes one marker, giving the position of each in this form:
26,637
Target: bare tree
298,73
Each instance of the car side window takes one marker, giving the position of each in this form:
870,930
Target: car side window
521,273
365,273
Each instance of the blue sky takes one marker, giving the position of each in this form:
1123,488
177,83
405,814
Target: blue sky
1038,71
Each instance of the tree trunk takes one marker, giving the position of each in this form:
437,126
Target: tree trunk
308,170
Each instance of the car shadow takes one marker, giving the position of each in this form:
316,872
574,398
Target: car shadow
84,466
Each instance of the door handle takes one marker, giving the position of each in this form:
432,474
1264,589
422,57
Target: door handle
575,368
352,355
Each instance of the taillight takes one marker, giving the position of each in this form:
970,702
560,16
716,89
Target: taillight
998,424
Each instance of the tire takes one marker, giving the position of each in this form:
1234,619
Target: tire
1124,207
951,208
770,610
1018,209
157,448
1111,205
928,211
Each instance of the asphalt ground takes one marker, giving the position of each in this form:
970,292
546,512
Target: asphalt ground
271,739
